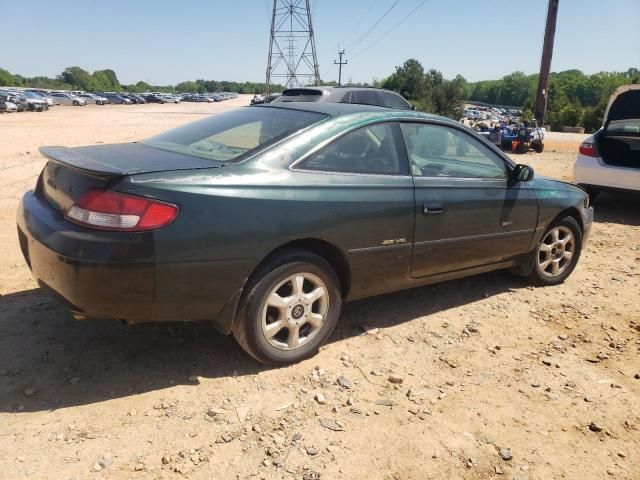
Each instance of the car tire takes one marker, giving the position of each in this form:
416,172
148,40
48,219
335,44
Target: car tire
279,321
75,103
550,263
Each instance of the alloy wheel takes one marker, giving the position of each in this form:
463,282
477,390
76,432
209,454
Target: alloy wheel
556,251
295,311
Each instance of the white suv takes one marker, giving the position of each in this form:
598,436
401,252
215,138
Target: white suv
610,158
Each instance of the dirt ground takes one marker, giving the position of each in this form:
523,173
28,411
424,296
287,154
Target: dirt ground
493,378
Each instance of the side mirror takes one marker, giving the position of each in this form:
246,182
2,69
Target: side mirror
522,173
413,107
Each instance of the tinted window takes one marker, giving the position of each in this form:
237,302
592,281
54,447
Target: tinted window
230,135
366,97
393,100
366,150
438,151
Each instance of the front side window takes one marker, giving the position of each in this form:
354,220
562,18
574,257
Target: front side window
439,151
371,150
231,135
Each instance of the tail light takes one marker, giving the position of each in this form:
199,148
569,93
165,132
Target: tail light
117,211
588,149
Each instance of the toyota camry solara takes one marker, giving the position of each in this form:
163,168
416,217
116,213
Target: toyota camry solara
265,219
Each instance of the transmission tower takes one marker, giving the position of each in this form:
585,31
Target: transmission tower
292,48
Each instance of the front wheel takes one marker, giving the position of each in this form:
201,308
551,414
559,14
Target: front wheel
289,308
558,252
75,103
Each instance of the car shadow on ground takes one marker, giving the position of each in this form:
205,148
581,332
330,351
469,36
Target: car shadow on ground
618,207
71,363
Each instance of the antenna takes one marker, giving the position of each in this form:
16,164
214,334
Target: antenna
292,48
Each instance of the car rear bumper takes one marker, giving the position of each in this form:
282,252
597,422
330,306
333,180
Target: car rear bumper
116,275
95,274
592,171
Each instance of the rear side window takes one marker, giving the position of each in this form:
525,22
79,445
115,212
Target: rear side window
393,100
231,135
366,97
367,150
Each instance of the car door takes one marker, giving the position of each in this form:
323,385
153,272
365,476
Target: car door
361,182
468,213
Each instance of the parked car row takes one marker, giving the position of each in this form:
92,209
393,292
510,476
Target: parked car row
507,116
208,97
23,100
13,100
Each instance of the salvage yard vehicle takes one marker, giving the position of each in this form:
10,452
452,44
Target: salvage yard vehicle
355,95
153,98
610,158
92,97
7,106
67,99
47,98
265,219
20,103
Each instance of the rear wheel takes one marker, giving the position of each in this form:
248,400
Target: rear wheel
558,252
538,147
290,308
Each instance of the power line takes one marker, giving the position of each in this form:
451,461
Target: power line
358,23
390,30
362,37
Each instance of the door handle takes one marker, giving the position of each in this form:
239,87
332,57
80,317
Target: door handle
432,209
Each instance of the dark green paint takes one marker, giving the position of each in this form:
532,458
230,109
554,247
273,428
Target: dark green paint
233,217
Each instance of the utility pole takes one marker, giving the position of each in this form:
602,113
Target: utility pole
340,63
545,64
290,27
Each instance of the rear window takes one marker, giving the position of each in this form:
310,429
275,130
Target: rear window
625,127
233,135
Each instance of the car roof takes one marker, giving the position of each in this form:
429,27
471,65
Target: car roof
343,109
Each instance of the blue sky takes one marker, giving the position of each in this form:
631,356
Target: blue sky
166,42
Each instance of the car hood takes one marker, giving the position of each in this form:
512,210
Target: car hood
545,183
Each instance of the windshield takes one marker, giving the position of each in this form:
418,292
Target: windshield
232,135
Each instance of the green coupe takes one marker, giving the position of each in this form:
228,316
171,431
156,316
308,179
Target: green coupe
265,219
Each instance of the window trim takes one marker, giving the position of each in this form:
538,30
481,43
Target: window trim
509,164
405,171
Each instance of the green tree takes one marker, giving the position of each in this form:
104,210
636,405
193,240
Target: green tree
187,87
76,77
8,80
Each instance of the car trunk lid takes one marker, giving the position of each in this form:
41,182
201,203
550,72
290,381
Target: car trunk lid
619,140
624,104
71,172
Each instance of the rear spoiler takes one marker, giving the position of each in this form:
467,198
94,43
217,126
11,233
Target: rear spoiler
76,160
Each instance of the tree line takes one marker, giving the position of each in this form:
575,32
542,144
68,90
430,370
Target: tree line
76,78
575,98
